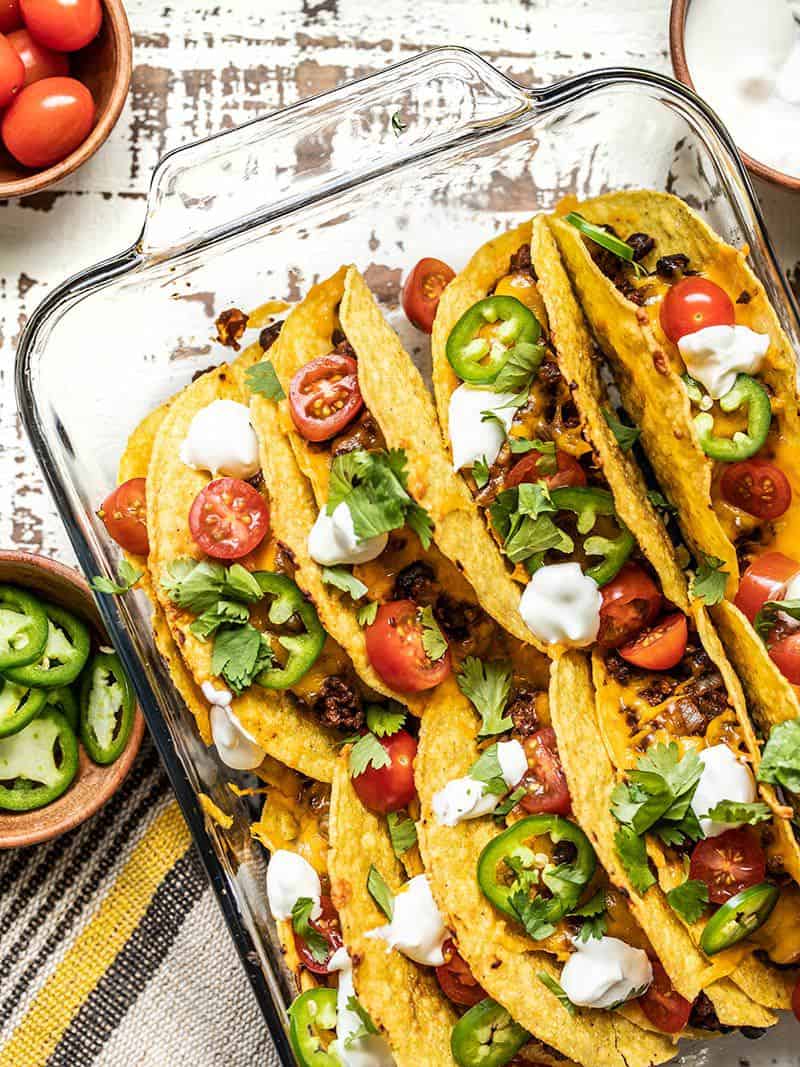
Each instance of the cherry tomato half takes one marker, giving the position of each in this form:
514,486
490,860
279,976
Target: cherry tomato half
324,396
229,518
422,290
757,487
568,471
63,25
660,647
545,782
39,62
728,863
796,1001
10,15
327,925
765,579
124,513
395,649
631,602
663,1005
47,121
12,72
455,978
785,654
692,304
390,788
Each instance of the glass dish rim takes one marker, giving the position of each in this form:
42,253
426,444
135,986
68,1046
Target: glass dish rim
536,101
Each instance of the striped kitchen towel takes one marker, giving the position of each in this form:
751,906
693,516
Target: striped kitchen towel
113,950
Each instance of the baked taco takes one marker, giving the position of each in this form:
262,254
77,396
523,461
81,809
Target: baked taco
709,376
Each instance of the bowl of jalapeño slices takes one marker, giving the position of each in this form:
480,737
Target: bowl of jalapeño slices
69,725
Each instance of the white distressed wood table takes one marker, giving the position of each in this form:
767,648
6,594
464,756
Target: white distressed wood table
202,66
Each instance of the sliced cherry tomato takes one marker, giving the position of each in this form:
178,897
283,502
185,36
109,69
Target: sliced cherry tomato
229,518
327,925
395,649
663,1005
728,863
785,654
568,471
422,290
765,579
64,25
39,62
545,782
455,978
660,647
124,513
12,72
10,15
757,487
390,788
796,1001
324,396
47,121
631,602
692,304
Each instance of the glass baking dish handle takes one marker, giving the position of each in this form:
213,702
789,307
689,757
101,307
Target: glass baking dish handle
280,163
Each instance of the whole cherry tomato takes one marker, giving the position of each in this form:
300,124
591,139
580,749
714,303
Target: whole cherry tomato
39,62
728,864
568,471
63,25
324,396
396,650
10,16
12,72
765,579
692,304
757,487
422,290
47,121
631,602
389,788
663,1005
124,513
455,978
660,647
229,518
544,781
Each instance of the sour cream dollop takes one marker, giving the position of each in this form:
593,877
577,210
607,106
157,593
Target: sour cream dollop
222,441
466,798
236,747
605,971
332,540
472,438
370,1050
561,604
417,928
724,777
290,877
716,354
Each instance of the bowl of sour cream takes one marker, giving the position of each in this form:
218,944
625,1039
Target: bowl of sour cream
743,59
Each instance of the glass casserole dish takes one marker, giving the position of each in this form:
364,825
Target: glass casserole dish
429,157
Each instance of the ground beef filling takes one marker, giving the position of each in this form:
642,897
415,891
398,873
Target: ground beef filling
458,619
338,705
522,711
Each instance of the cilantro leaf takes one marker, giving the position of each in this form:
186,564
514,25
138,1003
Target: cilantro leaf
239,654
767,616
127,577
433,640
547,463
341,578
487,770
632,854
380,892
301,923
508,804
520,517
367,612
421,523
262,379
367,752
480,472
520,368
487,685
384,721
198,585
535,914
626,436
556,989
661,787
733,812
367,1026
224,611
689,900
402,832
780,760
708,584
658,500
593,912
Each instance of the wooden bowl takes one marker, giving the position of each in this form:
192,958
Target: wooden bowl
104,66
677,49
93,785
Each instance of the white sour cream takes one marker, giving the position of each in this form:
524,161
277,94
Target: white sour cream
222,441
723,778
332,540
605,971
560,604
371,1050
743,58
716,354
223,697
472,438
466,798
236,747
417,928
290,877
513,761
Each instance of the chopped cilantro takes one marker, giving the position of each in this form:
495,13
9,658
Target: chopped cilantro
689,900
224,611
341,578
262,379
487,770
380,892
626,436
708,584
658,500
198,586
520,368
402,832
593,914
433,640
301,923
780,760
127,577
385,720
480,472
734,812
555,988
632,854
239,654
367,612
367,752
765,619
487,685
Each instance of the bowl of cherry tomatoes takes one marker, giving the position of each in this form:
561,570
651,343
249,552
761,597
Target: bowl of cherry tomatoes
65,70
